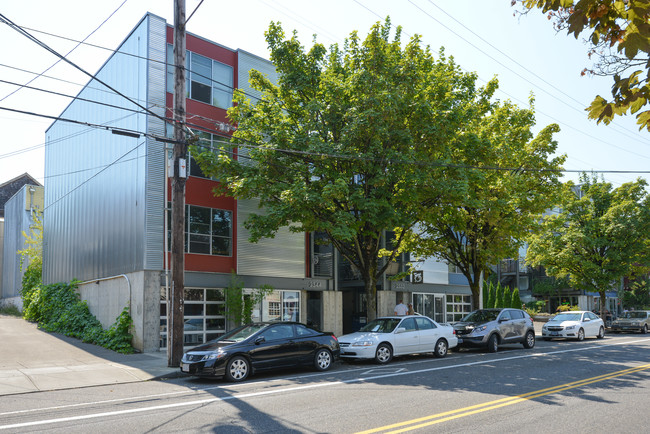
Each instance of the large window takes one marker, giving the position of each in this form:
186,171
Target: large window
458,306
280,306
204,312
207,80
208,231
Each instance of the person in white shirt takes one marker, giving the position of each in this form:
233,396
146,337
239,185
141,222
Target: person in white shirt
401,309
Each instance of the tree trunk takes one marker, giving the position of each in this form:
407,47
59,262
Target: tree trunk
603,299
371,297
475,286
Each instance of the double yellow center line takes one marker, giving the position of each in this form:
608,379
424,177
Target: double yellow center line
422,422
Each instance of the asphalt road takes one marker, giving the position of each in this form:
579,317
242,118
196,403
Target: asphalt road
558,386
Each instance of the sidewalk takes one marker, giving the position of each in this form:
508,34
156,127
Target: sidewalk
32,360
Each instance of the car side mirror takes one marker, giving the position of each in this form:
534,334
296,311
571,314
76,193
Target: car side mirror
260,339
503,319
400,330
587,320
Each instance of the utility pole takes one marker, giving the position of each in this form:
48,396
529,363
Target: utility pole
175,311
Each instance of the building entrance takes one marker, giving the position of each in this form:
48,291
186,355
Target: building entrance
431,305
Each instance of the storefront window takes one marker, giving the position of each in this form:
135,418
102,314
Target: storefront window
458,306
204,316
281,306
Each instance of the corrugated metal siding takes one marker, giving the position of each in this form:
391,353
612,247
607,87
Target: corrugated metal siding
17,220
282,256
155,167
247,62
94,200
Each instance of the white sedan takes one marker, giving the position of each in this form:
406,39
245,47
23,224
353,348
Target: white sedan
385,337
574,325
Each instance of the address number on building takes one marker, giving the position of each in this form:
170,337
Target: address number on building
315,284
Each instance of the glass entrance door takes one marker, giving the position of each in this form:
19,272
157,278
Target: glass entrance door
431,305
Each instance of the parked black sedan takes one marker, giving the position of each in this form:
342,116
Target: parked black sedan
261,346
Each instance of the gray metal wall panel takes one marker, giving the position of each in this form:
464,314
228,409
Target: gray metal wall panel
282,256
17,220
154,234
94,201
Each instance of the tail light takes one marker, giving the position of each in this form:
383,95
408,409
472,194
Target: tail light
335,338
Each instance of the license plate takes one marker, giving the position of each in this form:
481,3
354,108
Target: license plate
554,333
185,367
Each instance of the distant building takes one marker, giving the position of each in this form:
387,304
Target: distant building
14,219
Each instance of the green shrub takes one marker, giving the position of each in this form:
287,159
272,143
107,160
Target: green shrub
57,308
566,307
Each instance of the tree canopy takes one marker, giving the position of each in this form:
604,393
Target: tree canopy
598,236
618,33
509,178
351,141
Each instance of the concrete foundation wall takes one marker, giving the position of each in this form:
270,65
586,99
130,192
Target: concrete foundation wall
386,301
333,312
12,301
106,298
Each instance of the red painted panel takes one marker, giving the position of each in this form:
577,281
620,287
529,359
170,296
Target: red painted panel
208,263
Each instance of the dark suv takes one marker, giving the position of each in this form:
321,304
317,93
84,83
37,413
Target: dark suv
492,327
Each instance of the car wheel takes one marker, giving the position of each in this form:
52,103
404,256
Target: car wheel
644,330
441,348
323,360
529,341
601,333
237,369
581,335
493,343
384,354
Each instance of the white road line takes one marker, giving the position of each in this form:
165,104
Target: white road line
293,389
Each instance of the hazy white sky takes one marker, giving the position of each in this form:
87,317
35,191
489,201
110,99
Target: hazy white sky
524,53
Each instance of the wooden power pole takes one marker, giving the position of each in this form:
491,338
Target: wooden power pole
175,311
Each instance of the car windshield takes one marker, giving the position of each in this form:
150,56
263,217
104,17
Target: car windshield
640,315
481,316
381,325
567,317
242,333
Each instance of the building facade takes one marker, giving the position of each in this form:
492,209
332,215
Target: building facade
107,207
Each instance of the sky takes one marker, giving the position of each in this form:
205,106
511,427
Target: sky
484,36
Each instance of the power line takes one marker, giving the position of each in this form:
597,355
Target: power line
635,137
113,51
92,177
23,32
579,110
68,53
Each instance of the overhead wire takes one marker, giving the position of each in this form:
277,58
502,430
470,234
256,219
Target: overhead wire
409,162
32,38
69,52
569,126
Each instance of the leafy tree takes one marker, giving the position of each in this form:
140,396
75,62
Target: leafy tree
500,296
347,142
491,302
618,35
507,297
515,302
638,296
598,237
509,179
